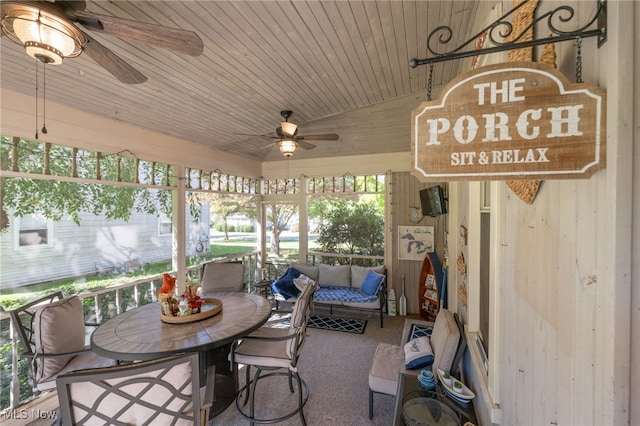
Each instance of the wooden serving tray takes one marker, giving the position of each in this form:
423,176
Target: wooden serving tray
210,307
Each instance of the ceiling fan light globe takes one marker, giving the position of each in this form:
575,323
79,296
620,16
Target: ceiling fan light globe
287,147
45,36
288,128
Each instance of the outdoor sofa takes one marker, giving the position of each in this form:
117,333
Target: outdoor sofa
347,286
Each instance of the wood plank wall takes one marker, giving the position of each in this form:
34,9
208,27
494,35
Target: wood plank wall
405,193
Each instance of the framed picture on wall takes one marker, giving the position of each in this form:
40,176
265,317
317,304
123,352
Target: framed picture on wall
414,242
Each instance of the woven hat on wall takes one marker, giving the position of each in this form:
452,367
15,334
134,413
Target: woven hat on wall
527,189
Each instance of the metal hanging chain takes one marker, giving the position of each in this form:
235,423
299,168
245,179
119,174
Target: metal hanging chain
430,81
579,61
44,98
37,99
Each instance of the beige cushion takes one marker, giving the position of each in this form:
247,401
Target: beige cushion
309,270
266,353
302,281
359,273
58,328
222,276
334,275
388,361
444,341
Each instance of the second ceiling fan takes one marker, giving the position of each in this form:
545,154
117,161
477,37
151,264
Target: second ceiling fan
287,138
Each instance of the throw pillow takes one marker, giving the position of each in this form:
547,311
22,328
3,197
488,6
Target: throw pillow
371,283
58,328
359,273
285,286
418,353
302,281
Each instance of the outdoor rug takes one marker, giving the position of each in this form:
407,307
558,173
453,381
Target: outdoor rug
419,330
325,322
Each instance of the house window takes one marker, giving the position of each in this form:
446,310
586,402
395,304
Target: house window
165,226
34,230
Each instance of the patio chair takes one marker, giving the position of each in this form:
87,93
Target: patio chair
272,349
161,391
222,276
52,332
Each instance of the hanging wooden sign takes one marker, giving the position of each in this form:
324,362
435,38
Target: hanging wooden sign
510,121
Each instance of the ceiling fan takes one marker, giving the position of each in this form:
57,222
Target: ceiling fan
287,138
48,31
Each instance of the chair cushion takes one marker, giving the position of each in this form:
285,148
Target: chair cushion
385,368
58,328
79,362
339,275
265,353
444,341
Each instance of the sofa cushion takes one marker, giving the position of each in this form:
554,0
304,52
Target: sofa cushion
444,341
309,270
371,283
58,328
334,275
418,353
359,273
385,369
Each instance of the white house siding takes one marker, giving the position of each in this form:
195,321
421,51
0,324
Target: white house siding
564,324
95,245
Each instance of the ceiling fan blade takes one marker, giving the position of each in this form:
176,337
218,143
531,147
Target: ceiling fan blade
305,145
112,62
326,137
178,40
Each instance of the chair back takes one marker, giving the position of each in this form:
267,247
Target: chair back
162,391
222,276
299,318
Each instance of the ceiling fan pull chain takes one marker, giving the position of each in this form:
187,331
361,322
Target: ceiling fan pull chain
430,81
44,98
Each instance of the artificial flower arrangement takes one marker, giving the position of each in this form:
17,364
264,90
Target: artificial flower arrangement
190,302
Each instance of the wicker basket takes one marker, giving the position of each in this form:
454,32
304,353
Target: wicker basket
210,307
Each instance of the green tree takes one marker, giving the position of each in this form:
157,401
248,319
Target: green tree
57,199
353,229
280,215
224,206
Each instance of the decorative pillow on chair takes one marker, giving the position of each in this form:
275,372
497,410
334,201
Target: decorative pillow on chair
418,353
371,283
58,328
302,281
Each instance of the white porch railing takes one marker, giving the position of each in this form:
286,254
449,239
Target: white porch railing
97,313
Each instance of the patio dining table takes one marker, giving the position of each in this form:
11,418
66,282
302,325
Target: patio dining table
140,334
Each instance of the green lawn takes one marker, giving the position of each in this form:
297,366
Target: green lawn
14,297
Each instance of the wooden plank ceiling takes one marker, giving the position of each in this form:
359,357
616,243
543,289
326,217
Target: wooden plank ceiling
328,61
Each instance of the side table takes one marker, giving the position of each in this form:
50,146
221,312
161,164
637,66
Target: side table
408,383
263,287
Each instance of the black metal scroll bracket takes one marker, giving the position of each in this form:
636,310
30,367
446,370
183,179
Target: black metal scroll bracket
503,28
